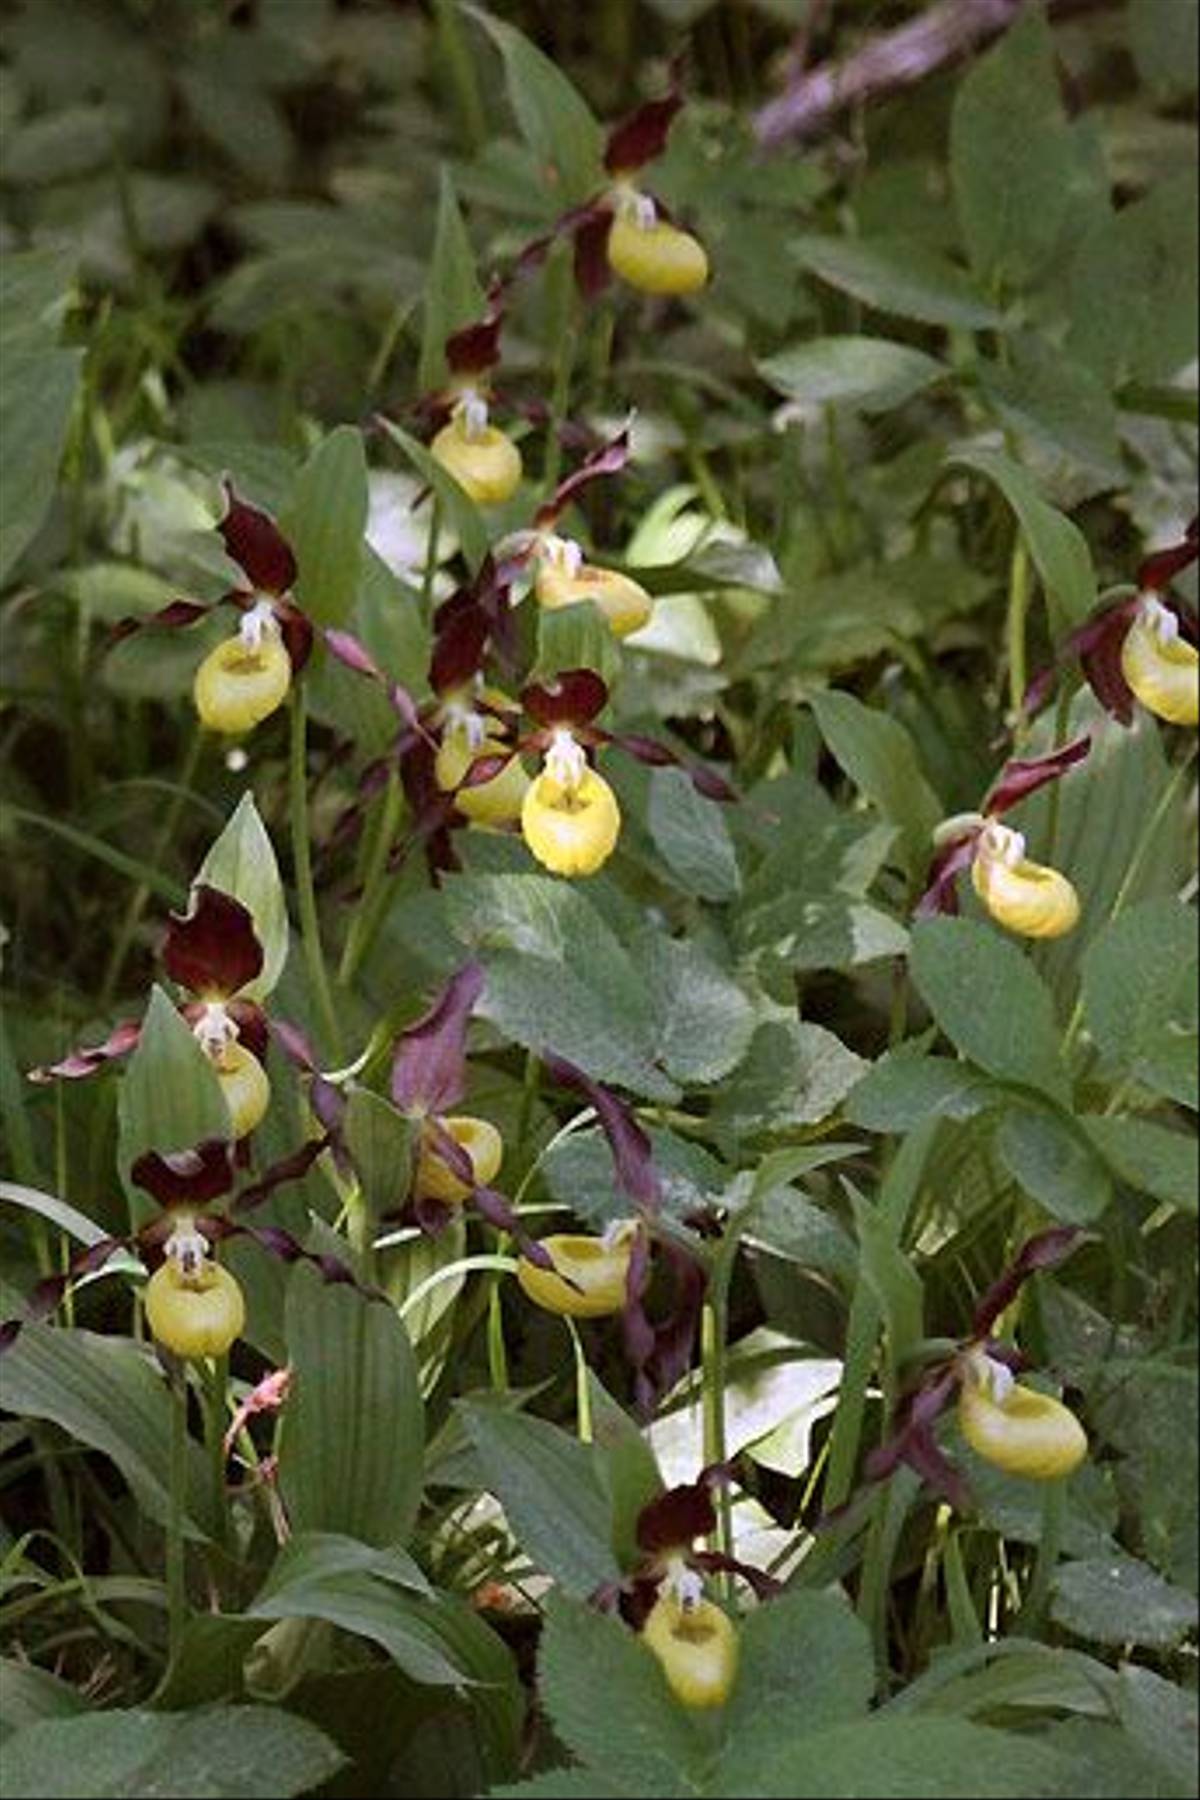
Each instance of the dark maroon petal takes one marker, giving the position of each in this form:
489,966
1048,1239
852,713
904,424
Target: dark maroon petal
941,896
591,265
49,1294
347,648
1159,569
296,630
498,1212
429,1070
186,1177
296,1045
574,697
708,782
173,617
1045,1251
459,647
476,347
674,1332
1106,678
641,137
484,769
609,459
632,1156
676,1518
86,1060
922,1453
257,545
448,1151
288,1168
1024,775
716,1562
1096,645
253,1027
212,950
648,750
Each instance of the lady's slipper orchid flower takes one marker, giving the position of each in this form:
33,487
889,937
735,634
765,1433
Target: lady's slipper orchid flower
471,722
696,1643
563,578
590,1276
213,953
485,462
1141,648
246,678
1010,1424
1024,896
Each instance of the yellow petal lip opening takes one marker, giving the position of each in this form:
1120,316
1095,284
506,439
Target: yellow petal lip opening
482,1143
697,1647
571,831
1028,898
598,1270
199,1313
1026,1433
1164,674
486,465
625,604
237,686
656,259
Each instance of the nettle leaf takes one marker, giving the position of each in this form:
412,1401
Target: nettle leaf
1151,1159
810,932
216,1751
691,836
609,1702
170,1098
706,1020
1116,1599
579,1174
905,1759
1139,996
878,755
1011,155
906,1086
325,523
899,275
1057,546
452,294
1054,1161
242,863
793,1074
353,1447
990,1001
872,374
552,116
551,1493
559,978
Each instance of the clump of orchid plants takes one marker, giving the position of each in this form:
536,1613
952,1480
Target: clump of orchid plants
1024,896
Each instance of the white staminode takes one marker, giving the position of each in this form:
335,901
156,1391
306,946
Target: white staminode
186,1246
471,411
635,207
1001,844
566,763
994,1377
214,1030
258,622
461,717
686,1585
563,552
1157,619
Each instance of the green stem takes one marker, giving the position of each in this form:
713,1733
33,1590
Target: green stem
1054,1508
306,898
1019,590
141,894
214,1425
562,309
177,1490
712,1367
497,1351
583,1399
368,915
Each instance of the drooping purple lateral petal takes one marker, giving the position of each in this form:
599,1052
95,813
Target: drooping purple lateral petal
917,1412
642,136
288,1168
1045,1251
608,459
941,895
459,646
493,1206
296,630
186,1177
676,1518
278,1242
254,1029
1096,646
296,1045
591,266
257,545
49,1294
175,616
429,1067
574,697
922,1453
1158,570
648,750
633,1158
87,1059
349,650
1023,776
1102,669
660,1349
448,1151
211,950
476,347
715,1562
